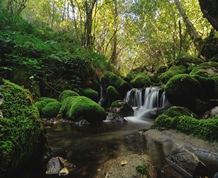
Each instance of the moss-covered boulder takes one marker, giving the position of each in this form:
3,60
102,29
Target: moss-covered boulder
20,128
179,111
203,129
207,75
40,105
47,99
172,71
122,108
140,80
183,90
90,93
121,85
66,93
81,107
113,94
51,109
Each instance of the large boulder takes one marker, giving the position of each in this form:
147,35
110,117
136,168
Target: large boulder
90,93
122,108
66,93
140,80
21,129
113,94
183,90
80,107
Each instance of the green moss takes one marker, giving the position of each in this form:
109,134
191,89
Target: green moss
47,99
140,80
187,60
183,90
179,111
66,93
40,105
20,128
51,109
172,71
203,129
143,170
113,94
130,76
90,93
121,85
123,108
78,107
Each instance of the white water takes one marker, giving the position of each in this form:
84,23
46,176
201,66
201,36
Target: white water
146,101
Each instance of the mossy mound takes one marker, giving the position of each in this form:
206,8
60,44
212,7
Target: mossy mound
140,80
130,76
51,109
40,105
207,75
179,111
90,93
113,94
122,108
121,85
183,90
172,71
203,129
47,99
81,107
20,128
66,93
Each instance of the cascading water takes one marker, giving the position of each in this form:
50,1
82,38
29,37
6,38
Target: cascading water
146,101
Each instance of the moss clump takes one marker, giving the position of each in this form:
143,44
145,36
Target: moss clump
179,111
51,109
20,128
66,93
130,76
40,105
140,80
90,93
183,90
203,129
121,85
113,94
47,99
81,107
172,71
143,170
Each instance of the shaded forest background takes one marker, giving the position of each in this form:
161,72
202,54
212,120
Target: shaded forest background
51,45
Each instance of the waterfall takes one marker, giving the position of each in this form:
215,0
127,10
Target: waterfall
146,101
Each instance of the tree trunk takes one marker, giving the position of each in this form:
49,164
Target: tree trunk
195,37
209,9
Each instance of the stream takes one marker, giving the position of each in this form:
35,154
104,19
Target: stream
87,147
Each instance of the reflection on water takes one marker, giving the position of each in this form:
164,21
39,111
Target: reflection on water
89,146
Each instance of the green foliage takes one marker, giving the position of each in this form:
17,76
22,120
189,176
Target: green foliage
66,93
90,93
172,71
51,109
20,128
179,111
47,99
140,80
81,107
143,170
113,94
40,105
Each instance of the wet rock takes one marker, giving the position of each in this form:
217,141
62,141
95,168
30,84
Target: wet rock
211,113
113,168
114,117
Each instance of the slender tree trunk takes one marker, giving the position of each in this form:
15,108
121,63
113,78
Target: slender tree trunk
209,9
190,27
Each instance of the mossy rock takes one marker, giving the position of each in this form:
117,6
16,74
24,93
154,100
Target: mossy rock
179,111
47,99
187,60
51,109
183,90
172,71
81,107
122,108
113,94
90,93
140,80
130,76
203,129
40,105
21,129
66,93
121,85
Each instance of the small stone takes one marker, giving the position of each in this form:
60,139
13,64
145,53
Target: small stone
123,162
